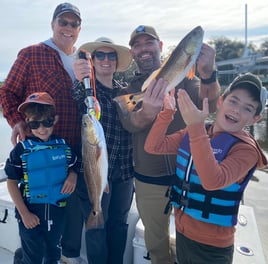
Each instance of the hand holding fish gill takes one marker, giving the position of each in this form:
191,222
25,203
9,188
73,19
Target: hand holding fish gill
81,69
154,98
190,113
206,61
205,67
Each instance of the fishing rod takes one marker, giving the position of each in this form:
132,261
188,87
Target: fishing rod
93,107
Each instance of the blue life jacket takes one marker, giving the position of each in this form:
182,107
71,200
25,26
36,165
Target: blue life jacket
218,207
45,166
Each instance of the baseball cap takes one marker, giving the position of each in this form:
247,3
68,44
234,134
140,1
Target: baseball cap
143,30
38,98
254,80
66,8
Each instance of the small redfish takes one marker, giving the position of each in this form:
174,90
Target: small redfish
180,64
95,164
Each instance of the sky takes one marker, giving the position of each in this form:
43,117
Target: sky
25,22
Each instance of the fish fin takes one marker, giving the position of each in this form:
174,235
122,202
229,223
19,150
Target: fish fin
149,79
98,152
191,73
95,220
106,189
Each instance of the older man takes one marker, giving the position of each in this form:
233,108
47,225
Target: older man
47,67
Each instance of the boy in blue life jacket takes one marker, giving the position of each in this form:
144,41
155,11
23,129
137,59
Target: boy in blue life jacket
214,165
41,173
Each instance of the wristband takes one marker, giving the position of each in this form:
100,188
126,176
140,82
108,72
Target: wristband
210,80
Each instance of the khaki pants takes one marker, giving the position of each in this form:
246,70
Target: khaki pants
151,203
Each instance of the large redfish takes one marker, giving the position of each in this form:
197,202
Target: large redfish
95,164
180,64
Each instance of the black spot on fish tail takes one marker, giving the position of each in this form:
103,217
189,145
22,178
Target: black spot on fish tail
95,220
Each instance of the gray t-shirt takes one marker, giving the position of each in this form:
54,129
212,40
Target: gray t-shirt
67,60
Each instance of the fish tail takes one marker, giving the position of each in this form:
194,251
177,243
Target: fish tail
95,220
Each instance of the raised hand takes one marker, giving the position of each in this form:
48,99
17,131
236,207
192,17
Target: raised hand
190,113
169,101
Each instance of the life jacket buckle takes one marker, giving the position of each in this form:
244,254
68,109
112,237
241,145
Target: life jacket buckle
185,186
184,201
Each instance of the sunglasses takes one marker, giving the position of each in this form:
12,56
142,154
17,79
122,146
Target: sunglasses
36,124
100,55
65,23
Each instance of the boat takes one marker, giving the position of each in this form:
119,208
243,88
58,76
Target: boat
248,246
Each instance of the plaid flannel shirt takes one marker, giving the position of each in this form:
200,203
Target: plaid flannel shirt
118,140
39,68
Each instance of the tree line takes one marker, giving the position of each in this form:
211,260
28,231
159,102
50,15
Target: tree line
229,49
225,49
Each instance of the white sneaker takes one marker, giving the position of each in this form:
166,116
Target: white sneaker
78,260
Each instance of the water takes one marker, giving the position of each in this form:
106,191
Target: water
260,131
5,142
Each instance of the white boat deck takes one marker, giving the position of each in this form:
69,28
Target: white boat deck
6,256
253,235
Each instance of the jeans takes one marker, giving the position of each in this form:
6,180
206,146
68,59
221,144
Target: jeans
107,245
72,233
192,252
42,243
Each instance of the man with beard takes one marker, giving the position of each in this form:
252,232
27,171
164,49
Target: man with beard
153,173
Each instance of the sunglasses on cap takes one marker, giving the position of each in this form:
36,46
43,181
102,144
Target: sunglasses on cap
100,55
140,29
36,124
64,23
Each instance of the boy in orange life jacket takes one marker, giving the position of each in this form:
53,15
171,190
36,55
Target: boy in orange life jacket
41,176
212,168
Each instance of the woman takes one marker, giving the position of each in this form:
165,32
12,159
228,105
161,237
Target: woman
106,245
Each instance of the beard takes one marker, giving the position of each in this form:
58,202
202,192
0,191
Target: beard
147,65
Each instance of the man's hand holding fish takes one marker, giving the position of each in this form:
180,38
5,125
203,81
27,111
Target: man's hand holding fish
206,69
153,100
205,61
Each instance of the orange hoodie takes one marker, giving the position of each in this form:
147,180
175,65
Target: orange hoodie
213,175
